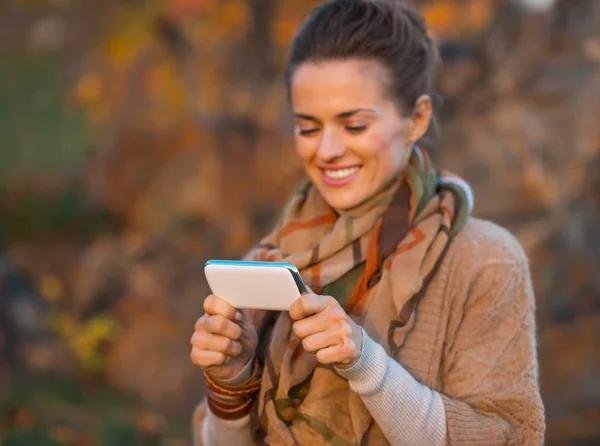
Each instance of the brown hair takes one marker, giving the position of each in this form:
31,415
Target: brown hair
389,31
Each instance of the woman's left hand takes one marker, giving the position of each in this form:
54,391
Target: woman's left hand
325,329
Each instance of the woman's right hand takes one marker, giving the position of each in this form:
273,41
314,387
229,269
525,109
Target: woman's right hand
224,339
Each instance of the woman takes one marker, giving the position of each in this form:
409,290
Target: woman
420,329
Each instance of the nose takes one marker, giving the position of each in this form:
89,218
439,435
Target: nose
331,146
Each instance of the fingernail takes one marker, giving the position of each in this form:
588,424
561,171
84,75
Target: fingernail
238,316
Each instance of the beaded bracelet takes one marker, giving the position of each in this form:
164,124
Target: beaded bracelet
233,402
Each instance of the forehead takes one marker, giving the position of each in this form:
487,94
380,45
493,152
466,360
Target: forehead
336,86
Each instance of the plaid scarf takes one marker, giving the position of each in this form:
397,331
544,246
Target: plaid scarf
376,261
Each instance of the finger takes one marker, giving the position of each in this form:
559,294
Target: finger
211,342
314,324
319,341
337,353
220,325
215,305
199,325
308,304
205,358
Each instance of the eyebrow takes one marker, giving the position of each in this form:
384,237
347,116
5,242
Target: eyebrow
342,115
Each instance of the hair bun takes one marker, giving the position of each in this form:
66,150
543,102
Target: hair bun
393,32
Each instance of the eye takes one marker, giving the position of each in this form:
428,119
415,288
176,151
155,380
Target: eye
306,132
356,129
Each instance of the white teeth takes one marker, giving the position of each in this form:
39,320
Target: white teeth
341,173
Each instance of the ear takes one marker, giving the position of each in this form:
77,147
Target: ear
420,119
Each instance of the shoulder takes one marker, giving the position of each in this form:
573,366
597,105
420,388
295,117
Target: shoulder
485,264
481,244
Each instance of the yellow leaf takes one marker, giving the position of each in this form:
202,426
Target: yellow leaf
284,30
100,328
442,16
234,15
51,288
88,89
82,346
120,50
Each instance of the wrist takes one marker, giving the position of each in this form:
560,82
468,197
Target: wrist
343,365
366,376
232,402
243,375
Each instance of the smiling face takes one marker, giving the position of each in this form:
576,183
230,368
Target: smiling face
350,134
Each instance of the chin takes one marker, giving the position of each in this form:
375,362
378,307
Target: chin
343,203
341,198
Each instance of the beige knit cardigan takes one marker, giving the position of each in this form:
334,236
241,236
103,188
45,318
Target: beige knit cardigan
474,341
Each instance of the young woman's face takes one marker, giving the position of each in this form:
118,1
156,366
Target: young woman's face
350,134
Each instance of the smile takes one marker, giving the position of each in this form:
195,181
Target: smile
341,173
339,177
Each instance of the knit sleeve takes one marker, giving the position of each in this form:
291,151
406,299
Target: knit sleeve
490,388
209,430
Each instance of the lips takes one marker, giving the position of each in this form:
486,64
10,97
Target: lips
339,176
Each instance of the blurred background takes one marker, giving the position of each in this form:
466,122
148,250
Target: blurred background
139,138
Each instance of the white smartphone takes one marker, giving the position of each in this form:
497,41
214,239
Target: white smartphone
256,285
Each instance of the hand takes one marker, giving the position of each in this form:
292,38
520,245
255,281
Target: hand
325,329
224,339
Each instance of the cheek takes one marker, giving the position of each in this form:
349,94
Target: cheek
305,148
380,144
398,145
386,148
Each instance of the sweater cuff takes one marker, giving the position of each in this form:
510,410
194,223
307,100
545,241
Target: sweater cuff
367,375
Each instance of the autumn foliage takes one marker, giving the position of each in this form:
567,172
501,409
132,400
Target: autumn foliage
170,143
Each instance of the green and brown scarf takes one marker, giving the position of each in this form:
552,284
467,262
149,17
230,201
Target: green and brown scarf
376,261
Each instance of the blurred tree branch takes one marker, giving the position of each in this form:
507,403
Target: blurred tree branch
257,52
